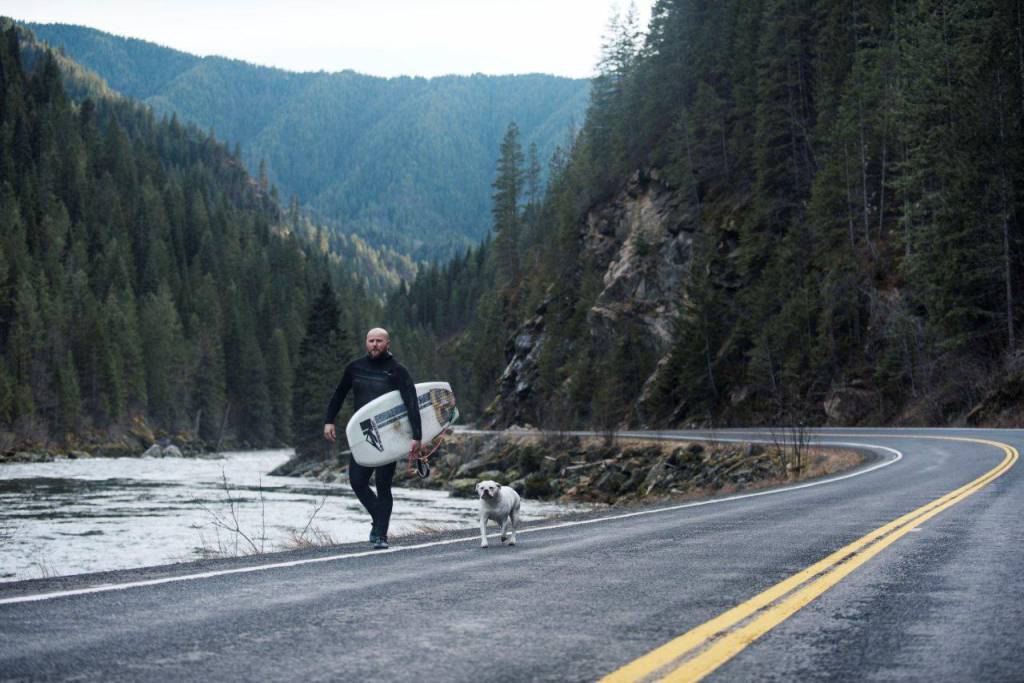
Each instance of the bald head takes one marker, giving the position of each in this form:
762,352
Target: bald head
378,342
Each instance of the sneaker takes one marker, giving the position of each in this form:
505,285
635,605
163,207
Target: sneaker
422,469
381,543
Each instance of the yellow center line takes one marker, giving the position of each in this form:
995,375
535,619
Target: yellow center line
706,647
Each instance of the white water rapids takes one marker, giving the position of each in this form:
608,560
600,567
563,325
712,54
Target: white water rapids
88,515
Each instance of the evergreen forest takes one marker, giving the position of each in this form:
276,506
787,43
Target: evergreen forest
146,277
849,176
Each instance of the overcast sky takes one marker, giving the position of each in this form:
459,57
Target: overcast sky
378,37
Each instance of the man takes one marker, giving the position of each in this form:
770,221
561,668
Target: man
369,377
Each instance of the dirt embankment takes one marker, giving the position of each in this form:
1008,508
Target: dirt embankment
596,470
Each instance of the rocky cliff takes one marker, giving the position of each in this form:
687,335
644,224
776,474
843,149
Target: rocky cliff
641,242
640,246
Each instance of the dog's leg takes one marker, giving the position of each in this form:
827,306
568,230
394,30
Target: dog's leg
504,526
483,530
513,517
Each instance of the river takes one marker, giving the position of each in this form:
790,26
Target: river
87,515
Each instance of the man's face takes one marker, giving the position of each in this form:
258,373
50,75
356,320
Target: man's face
377,343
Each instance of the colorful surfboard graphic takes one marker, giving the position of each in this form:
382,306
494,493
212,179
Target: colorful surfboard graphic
371,434
443,402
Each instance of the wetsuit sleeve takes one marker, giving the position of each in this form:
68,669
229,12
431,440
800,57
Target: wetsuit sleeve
408,391
339,396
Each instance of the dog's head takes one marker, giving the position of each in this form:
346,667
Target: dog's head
488,489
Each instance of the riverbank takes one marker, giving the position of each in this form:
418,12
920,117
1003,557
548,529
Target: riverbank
620,471
132,439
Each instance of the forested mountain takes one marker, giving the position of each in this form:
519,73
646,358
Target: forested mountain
401,162
145,277
775,211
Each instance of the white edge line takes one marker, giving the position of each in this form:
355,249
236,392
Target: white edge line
103,588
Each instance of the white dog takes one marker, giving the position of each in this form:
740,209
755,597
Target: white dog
500,503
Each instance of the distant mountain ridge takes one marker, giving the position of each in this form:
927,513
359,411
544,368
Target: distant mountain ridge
405,162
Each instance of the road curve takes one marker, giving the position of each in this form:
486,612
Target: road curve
909,570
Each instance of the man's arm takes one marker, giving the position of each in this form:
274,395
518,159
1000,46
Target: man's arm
408,391
335,405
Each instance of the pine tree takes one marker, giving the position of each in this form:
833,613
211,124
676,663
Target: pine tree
209,395
70,399
128,354
6,396
255,421
508,189
322,355
280,384
162,348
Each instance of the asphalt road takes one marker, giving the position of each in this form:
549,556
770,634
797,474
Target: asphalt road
926,587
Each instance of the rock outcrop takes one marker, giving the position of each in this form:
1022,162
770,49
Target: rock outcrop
1003,404
849,405
641,240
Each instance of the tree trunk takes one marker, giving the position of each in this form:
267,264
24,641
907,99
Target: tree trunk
1006,202
849,201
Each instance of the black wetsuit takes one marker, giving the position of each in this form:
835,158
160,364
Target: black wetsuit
369,378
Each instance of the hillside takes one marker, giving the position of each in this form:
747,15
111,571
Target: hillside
402,162
149,287
787,212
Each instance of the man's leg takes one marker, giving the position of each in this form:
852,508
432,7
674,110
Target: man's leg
359,477
382,478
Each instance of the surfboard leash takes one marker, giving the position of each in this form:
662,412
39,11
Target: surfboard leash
437,399
413,457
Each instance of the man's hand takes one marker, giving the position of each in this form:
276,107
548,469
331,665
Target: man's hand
415,446
329,432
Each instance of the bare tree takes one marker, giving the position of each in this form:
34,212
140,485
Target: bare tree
792,443
230,534
230,522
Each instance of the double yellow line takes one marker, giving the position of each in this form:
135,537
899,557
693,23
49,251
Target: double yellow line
703,649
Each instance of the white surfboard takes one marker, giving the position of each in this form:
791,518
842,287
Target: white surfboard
379,433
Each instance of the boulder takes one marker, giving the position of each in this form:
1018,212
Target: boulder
552,464
462,488
1003,405
474,467
492,475
637,475
849,405
529,459
611,481
141,431
153,451
752,450
658,477
172,451
537,486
